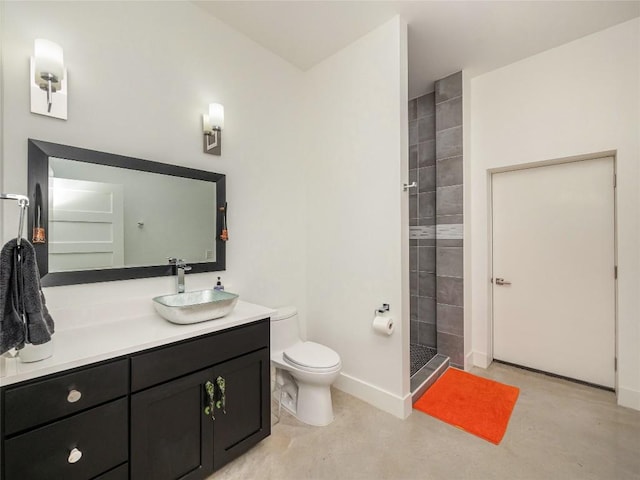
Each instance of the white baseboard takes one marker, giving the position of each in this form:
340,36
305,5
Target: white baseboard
629,398
480,359
468,361
379,398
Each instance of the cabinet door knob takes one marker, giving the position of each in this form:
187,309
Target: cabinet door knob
74,396
74,455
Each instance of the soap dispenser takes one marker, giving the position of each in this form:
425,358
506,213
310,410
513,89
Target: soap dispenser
219,285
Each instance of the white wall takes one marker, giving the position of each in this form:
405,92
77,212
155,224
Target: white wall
357,226
580,98
140,75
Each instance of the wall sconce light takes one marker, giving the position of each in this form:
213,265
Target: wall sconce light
212,126
48,77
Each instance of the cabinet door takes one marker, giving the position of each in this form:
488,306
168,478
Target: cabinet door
171,436
247,419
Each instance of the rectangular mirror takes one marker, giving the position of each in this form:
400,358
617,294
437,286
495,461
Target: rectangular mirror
109,217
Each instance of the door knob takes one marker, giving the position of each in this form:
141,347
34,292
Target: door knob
500,281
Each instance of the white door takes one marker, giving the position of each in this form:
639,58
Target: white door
86,226
553,247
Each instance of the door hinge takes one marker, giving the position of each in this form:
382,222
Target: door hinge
615,180
615,272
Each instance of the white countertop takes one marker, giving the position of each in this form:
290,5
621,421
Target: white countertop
94,343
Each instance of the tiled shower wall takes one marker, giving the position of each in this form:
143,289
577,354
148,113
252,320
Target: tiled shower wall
449,220
422,212
435,219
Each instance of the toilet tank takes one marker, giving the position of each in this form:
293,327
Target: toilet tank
284,328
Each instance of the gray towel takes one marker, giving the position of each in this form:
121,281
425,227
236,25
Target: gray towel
24,317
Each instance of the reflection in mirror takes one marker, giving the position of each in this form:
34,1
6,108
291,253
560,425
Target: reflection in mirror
100,218
110,217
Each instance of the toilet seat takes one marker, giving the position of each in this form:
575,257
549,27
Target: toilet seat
311,356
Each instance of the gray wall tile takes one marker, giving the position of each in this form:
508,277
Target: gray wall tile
413,109
426,104
426,179
448,143
413,283
448,243
449,262
428,221
450,291
427,153
413,258
413,177
426,204
413,332
427,334
427,259
449,219
448,200
413,156
450,319
426,310
426,128
426,285
427,243
413,207
413,132
452,346
449,172
448,87
413,308
449,114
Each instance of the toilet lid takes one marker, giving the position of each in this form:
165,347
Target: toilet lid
311,355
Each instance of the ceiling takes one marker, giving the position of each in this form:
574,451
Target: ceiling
444,36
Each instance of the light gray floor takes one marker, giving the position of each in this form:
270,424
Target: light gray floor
558,430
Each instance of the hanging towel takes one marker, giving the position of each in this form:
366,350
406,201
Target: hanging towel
24,317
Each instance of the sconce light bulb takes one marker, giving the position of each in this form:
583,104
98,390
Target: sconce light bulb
49,61
216,116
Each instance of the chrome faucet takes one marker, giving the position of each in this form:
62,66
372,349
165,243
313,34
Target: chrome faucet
181,267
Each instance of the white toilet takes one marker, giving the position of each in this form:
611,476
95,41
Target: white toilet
304,370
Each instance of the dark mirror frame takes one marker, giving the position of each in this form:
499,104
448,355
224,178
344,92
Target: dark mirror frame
39,152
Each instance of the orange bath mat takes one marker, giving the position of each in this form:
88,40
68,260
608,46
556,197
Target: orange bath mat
474,404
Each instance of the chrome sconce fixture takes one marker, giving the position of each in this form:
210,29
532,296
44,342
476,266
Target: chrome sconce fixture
48,79
212,125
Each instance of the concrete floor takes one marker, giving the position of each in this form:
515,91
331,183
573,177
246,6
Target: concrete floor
558,430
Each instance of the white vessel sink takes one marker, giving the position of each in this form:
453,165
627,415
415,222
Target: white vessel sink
194,307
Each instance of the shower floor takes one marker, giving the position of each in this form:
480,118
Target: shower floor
420,356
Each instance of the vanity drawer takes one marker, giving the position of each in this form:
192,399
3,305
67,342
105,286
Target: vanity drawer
100,434
53,398
120,473
174,361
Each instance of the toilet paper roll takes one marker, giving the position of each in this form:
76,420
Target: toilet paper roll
384,325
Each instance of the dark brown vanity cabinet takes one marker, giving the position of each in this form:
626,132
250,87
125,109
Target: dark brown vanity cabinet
143,416
176,434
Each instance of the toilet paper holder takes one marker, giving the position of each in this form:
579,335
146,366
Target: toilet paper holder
382,309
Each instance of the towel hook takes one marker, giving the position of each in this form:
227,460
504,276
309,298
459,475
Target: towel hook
23,203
